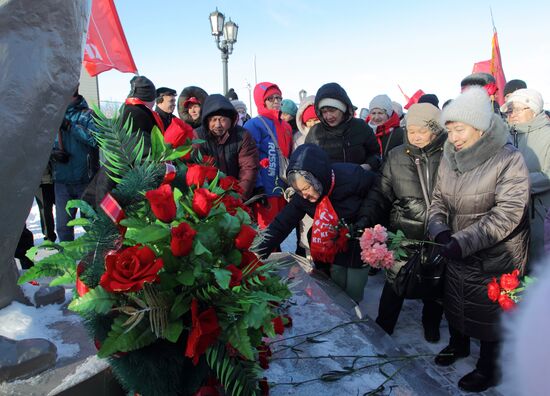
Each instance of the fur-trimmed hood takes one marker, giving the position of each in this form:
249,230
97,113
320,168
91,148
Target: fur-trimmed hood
304,104
491,141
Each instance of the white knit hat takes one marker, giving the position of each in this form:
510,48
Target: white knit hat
381,102
472,107
527,97
420,114
238,104
331,102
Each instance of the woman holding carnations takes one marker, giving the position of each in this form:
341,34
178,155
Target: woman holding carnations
479,214
402,195
332,194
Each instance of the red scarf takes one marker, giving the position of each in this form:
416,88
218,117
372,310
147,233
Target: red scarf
136,101
327,238
386,128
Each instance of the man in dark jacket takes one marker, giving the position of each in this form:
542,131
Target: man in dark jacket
344,138
314,177
232,147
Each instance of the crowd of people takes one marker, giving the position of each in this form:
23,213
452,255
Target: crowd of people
472,176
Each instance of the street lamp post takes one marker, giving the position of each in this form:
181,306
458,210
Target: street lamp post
225,35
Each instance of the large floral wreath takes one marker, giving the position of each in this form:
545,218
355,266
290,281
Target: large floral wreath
166,282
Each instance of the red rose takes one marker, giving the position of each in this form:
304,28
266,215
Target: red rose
510,281
162,203
264,163
177,133
231,204
278,325
230,183
198,174
182,239
203,200
493,290
264,386
208,160
245,237
250,262
236,275
506,302
204,332
81,287
128,269
264,353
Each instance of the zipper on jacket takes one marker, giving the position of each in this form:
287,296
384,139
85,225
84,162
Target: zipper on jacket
514,133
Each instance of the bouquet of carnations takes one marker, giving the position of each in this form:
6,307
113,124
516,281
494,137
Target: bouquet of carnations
166,281
507,291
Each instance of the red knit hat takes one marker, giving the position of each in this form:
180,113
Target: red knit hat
191,101
272,91
308,114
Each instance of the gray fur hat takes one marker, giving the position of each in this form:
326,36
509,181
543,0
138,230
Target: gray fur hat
472,107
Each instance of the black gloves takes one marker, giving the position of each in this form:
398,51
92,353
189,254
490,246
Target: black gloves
60,156
259,195
443,237
452,250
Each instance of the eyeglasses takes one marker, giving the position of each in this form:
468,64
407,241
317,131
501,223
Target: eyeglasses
515,110
274,98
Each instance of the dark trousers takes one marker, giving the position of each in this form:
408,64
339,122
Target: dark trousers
26,241
45,198
488,351
390,306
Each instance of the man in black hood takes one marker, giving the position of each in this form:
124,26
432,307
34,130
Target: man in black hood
232,147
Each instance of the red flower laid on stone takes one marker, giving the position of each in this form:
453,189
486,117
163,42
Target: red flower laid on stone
198,174
128,269
510,281
278,325
245,237
204,332
264,163
230,183
203,200
162,203
264,353
264,386
493,290
236,275
506,302
181,241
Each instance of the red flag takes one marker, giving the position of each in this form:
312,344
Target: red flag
482,67
497,71
414,99
106,45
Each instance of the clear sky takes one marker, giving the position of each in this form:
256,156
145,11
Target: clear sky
368,47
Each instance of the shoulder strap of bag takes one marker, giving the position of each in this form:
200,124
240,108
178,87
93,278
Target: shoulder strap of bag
273,137
424,189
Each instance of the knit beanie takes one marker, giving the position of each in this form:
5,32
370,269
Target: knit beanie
331,102
514,85
239,104
382,102
309,114
429,98
273,90
289,107
142,88
472,107
527,97
397,108
420,114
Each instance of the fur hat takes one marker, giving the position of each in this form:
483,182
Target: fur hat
331,102
142,88
239,104
420,114
514,85
381,102
429,98
472,107
480,79
527,97
289,107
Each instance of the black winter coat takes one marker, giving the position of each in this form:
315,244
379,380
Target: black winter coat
352,141
352,184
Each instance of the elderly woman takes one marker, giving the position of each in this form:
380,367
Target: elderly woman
479,213
530,129
324,190
403,195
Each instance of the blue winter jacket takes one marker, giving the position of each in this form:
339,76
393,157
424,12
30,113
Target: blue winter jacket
79,143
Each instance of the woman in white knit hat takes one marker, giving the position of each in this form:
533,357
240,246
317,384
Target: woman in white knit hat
479,214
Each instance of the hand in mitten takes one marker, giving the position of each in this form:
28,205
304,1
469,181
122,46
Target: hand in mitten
452,250
443,237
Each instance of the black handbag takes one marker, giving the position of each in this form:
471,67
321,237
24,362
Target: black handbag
421,277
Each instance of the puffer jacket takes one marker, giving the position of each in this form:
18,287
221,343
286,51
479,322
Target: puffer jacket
79,143
352,141
351,186
533,141
482,197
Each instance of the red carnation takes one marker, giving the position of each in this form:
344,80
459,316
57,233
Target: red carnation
506,302
264,163
177,133
245,237
181,242
128,269
230,183
204,332
278,325
162,203
198,174
203,200
236,275
510,281
493,290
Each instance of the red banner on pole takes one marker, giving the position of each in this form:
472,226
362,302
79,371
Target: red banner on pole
106,46
497,70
